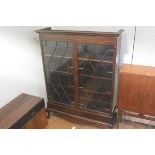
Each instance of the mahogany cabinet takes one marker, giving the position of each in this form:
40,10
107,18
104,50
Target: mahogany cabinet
137,92
38,120
25,111
81,74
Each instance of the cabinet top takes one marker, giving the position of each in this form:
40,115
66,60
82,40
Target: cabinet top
12,112
87,33
138,69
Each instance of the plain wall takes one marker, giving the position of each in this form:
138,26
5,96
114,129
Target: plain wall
144,53
21,67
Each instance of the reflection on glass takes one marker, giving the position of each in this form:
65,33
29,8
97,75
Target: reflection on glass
59,71
95,64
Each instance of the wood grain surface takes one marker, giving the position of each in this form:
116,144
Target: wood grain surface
12,112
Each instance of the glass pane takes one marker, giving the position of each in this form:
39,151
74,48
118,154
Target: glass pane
59,71
95,67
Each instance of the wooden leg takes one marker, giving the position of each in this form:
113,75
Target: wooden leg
48,113
119,116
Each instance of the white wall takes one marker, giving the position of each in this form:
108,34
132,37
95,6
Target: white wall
144,53
21,67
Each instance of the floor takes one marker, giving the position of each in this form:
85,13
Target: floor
59,123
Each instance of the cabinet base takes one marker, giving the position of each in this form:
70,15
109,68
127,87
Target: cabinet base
133,115
82,117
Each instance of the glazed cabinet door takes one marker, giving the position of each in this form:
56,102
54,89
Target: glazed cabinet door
79,74
95,72
58,68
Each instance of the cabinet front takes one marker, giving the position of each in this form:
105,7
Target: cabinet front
80,70
92,64
136,93
95,72
58,68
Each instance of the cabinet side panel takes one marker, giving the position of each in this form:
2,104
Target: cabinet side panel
131,92
148,106
116,75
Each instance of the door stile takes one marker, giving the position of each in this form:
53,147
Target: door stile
75,72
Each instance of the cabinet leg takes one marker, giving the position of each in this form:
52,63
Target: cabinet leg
48,113
119,116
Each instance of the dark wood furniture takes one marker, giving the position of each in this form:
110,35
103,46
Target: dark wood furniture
137,92
25,111
81,74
